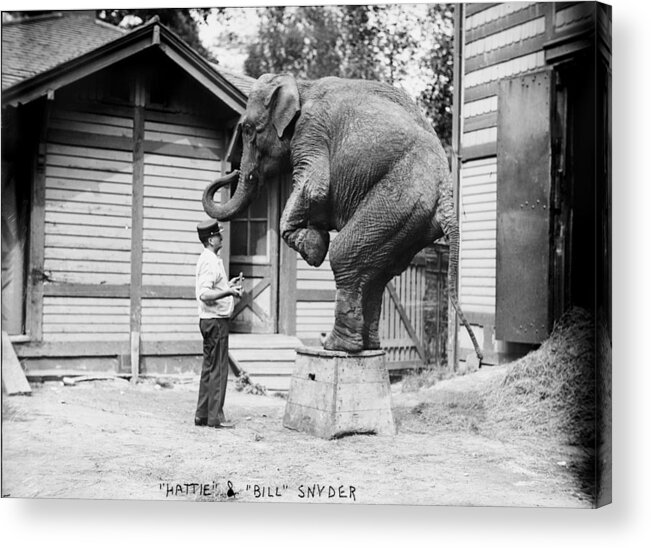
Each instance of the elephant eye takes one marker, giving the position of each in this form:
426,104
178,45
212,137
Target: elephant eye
248,130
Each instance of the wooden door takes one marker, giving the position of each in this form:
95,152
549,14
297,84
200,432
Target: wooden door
254,253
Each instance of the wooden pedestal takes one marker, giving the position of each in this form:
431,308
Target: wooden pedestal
333,394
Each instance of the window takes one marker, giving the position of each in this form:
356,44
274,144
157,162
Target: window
249,230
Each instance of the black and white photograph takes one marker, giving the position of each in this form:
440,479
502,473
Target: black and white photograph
354,254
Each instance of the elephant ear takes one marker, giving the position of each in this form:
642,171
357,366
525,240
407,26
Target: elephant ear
283,102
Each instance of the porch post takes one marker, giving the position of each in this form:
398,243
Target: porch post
137,212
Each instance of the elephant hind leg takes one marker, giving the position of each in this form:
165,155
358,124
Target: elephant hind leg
346,333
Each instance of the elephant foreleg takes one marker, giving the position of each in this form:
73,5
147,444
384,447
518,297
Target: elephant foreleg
304,212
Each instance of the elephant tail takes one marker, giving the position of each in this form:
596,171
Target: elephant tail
447,220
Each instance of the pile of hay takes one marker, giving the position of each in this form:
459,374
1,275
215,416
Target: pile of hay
244,384
551,391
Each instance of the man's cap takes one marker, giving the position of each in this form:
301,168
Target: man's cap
208,228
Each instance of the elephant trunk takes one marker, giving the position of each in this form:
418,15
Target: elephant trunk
237,203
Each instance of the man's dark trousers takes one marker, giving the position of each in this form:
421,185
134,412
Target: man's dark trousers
214,371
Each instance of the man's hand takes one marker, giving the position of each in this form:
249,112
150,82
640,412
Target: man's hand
235,286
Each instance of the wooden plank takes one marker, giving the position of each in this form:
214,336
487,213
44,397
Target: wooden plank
93,107
135,297
92,140
170,291
94,209
473,236
213,166
71,349
472,9
502,55
81,310
89,186
80,242
173,204
483,121
91,220
104,118
193,174
178,139
88,174
405,321
176,305
315,285
176,238
14,381
174,214
53,319
527,14
485,188
89,152
65,265
86,278
168,279
93,164
89,127
171,182
181,192
34,300
182,129
100,255
184,269
52,194
183,151
93,329
184,118
482,91
85,290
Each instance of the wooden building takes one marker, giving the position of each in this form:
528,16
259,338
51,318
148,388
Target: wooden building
532,137
109,139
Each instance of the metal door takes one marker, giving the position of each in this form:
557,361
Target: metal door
524,181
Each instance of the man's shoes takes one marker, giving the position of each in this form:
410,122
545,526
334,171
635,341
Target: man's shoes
222,425
200,421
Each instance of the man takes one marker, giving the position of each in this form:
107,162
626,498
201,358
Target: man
215,299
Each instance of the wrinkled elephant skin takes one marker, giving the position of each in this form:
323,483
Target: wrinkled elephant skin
365,162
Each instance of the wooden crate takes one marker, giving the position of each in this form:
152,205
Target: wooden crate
333,394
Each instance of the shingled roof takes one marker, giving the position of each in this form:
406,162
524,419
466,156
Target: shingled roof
33,45
36,45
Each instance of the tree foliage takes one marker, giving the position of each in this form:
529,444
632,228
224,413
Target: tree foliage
181,21
402,45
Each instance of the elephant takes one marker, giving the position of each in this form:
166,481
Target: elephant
364,161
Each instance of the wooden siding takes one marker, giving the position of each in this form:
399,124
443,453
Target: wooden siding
493,13
173,187
87,224
314,314
166,319
478,198
79,319
179,161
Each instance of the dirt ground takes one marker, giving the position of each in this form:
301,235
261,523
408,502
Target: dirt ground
113,440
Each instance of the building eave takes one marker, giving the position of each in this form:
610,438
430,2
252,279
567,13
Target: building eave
151,35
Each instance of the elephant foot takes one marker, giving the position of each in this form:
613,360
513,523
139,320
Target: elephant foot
372,343
343,342
311,243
